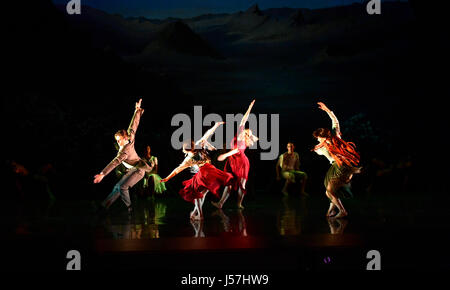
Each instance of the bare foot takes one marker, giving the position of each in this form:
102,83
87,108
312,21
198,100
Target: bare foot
331,213
216,204
240,206
341,214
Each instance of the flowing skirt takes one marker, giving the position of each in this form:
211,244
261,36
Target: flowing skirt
337,178
239,166
159,186
207,178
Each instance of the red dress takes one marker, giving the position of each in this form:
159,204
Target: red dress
208,177
238,165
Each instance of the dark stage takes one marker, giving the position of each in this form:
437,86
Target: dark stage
74,80
272,235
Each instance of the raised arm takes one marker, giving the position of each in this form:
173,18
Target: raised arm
334,120
185,164
204,139
245,117
135,120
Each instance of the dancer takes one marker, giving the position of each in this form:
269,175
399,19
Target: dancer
237,163
289,165
129,158
158,186
343,158
207,178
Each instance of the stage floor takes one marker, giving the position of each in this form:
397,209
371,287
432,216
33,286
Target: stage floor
273,233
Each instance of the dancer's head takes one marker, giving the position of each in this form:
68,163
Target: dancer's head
122,137
340,150
290,147
189,147
148,151
321,134
248,137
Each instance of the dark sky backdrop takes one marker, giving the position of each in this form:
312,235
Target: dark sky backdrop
190,8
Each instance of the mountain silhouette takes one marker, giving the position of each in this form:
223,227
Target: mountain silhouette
179,37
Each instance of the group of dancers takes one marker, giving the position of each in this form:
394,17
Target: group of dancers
207,178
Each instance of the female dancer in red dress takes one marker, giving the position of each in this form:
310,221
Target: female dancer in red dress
343,158
237,163
207,177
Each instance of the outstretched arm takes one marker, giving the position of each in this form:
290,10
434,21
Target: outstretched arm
135,120
224,156
121,156
334,120
204,139
185,164
245,117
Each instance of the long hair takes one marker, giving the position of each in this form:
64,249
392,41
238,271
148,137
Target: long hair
340,151
190,146
247,136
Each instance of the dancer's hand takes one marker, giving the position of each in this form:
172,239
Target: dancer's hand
98,178
222,157
138,104
322,106
219,123
165,179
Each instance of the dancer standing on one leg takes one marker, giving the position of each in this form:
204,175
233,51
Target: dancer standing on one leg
136,167
237,163
207,178
343,158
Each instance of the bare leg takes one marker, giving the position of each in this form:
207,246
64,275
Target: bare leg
240,198
203,198
342,212
198,206
199,210
241,193
331,211
194,212
199,203
335,201
225,195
